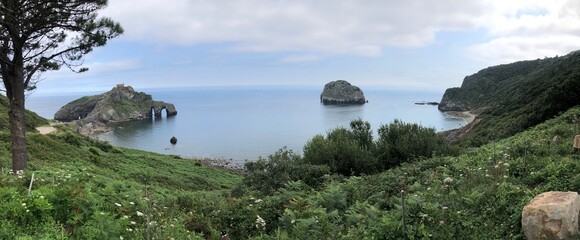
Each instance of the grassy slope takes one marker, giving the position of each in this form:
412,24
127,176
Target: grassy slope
82,178
32,119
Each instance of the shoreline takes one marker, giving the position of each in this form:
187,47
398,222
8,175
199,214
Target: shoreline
466,115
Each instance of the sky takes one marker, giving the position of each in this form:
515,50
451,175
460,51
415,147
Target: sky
405,44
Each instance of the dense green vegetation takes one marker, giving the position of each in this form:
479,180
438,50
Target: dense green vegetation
88,189
32,119
513,97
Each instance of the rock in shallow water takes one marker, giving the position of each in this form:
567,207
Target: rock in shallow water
342,92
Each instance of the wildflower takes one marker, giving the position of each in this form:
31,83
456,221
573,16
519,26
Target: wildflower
132,203
125,217
27,210
133,223
506,164
293,221
447,181
118,204
41,197
486,175
505,176
258,201
445,208
24,204
121,237
129,229
441,222
496,166
428,188
260,223
102,213
140,214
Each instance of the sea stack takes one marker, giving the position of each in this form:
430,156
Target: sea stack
341,92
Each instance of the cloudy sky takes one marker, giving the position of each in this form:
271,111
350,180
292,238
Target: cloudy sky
410,44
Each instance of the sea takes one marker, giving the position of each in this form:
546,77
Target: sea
241,124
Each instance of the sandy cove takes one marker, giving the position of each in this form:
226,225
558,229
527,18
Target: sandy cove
467,115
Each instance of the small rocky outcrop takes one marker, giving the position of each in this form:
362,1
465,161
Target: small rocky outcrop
120,104
551,215
342,92
449,102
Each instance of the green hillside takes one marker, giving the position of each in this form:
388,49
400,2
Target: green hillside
513,97
32,119
86,189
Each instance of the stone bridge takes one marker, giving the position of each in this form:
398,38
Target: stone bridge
158,108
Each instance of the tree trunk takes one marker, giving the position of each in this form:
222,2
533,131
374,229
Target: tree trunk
17,121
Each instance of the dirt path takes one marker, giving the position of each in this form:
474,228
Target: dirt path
46,129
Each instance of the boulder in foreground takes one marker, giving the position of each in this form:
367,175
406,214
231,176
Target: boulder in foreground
551,215
342,92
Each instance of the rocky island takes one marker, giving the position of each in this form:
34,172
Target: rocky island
342,92
122,103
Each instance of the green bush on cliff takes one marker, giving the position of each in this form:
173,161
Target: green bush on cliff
513,97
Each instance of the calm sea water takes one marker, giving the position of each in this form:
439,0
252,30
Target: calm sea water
246,123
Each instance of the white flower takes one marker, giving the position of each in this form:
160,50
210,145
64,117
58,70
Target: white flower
133,223
102,213
140,214
125,217
258,201
121,237
445,208
129,229
118,204
506,164
23,204
260,223
447,181
132,203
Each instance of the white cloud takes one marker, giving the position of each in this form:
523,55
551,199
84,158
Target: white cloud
300,59
520,30
336,27
514,29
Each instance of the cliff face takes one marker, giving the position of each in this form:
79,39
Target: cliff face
118,105
512,97
342,92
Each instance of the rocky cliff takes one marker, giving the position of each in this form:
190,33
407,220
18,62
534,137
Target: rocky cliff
120,104
342,92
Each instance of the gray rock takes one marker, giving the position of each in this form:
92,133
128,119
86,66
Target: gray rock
447,104
118,105
342,92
